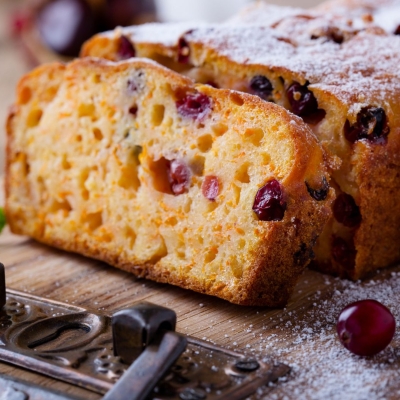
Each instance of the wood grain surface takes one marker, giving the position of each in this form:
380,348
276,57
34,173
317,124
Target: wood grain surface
301,335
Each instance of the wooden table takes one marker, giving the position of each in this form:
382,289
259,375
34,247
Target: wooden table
302,335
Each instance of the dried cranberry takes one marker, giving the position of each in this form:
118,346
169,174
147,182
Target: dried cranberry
261,86
319,194
194,105
371,124
302,100
397,31
65,24
210,187
133,110
183,51
346,211
343,252
178,176
269,204
366,327
125,48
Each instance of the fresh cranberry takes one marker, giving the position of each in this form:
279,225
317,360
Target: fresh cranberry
194,105
210,187
269,204
183,51
261,86
371,124
346,211
178,176
125,48
65,24
343,252
302,100
319,194
366,327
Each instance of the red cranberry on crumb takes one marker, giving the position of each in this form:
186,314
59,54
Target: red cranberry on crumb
194,105
210,187
178,176
269,204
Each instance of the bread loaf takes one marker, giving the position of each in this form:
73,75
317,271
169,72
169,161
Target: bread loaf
346,87
130,163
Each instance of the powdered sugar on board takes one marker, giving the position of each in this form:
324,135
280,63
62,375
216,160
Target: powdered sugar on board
321,367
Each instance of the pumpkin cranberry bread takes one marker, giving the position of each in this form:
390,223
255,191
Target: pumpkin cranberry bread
131,163
349,95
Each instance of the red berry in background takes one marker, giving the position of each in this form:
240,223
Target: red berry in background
366,327
65,24
210,187
127,12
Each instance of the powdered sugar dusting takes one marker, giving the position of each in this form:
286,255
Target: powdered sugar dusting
321,367
366,64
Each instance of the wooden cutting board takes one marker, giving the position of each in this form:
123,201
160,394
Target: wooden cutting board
301,335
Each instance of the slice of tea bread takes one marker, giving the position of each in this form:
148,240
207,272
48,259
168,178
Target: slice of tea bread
130,163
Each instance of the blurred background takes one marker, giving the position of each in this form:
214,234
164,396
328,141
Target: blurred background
36,31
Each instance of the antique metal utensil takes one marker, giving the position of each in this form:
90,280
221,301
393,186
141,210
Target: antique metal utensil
135,354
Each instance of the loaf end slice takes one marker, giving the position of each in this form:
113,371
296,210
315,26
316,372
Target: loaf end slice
130,163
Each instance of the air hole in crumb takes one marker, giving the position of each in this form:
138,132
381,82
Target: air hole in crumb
92,220
236,194
98,135
266,159
235,267
22,159
34,118
172,221
241,244
25,95
242,174
128,178
63,206
157,114
65,164
86,110
211,206
96,78
210,255
82,179
188,205
159,174
197,165
219,129
237,99
200,239
79,138
131,236
254,135
50,93
204,143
